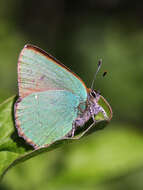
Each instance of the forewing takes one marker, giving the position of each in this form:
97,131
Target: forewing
39,71
44,117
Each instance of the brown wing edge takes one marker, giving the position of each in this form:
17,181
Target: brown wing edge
49,56
17,124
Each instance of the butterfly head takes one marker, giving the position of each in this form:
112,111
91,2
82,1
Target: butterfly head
93,95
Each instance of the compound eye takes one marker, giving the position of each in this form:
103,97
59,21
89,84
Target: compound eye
93,94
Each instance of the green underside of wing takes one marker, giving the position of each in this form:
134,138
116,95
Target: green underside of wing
45,117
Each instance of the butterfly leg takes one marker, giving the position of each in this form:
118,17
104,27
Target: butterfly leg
73,129
71,133
76,123
92,113
104,113
80,121
94,110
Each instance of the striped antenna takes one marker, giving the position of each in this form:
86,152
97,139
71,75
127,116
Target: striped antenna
98,68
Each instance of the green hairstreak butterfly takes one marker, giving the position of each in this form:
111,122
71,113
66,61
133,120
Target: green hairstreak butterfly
53,101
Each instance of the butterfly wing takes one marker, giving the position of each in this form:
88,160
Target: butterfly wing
44,117
39,71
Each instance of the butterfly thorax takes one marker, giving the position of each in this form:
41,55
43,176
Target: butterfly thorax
92,109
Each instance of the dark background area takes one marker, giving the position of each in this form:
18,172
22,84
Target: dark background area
78,33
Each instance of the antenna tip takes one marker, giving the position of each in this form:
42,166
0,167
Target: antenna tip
105,72
99,62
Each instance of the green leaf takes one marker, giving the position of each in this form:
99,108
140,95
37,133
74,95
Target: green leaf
14,150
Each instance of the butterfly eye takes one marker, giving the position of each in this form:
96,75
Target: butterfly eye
93,94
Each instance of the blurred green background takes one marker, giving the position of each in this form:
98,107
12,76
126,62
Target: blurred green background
78,33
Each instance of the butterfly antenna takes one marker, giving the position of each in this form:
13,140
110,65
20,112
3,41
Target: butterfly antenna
104,74
98,68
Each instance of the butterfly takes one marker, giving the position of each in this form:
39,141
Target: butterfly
53,101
